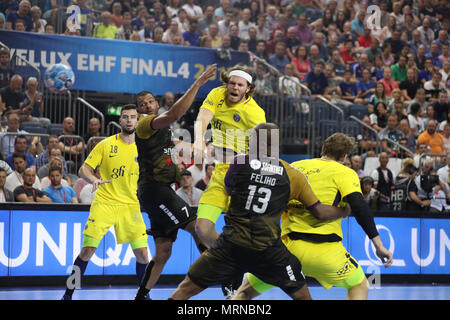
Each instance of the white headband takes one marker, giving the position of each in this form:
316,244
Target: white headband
242,74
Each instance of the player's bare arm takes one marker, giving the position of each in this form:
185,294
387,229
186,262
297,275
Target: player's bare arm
87,173
180,107
325,212
204,117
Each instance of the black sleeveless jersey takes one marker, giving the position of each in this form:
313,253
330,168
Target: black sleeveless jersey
399,194
259,193
154,154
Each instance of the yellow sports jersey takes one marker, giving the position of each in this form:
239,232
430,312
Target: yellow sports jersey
237,119
118,162
331,182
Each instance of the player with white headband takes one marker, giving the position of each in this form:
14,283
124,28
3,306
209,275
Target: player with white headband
232,112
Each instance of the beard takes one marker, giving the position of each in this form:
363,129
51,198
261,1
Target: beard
126,131
236,98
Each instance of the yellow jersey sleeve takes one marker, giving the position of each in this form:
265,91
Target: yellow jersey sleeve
300,187
347,182
95,157
144,129
214,98
257,115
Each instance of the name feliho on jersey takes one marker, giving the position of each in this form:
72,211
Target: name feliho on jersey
271,181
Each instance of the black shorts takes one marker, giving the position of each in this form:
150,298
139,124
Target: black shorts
166,210
225,261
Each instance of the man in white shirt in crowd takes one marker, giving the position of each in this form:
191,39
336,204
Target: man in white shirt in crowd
198,172
5,194
443,173
193,11
7,142
225,24
356,163
15,179
245,24
383,181
446,136
190,194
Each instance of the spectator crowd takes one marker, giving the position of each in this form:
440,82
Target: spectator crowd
395,64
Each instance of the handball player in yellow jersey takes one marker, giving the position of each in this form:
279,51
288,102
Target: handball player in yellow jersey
318,244
227,108
115,202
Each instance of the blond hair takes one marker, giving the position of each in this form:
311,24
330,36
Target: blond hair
337,146
225,76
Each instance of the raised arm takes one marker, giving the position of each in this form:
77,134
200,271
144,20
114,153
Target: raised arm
180,107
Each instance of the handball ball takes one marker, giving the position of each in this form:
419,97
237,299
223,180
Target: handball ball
59,78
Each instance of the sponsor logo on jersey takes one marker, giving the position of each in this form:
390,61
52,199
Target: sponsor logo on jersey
270,168
255,164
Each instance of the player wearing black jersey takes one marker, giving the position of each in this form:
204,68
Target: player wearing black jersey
259,189
166,210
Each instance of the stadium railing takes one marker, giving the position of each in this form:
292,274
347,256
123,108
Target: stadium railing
112,128
57,106
42,137
83,111
92,142
24,67
74,161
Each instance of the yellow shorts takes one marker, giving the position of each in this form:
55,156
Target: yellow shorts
129,225
215,194
328,262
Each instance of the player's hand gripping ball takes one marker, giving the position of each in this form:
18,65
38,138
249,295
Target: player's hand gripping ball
59,78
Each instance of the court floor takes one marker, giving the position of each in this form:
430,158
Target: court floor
384,292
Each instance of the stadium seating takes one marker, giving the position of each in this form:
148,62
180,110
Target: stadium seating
357,110
55,128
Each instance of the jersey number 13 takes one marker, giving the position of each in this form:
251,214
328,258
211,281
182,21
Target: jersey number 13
263,197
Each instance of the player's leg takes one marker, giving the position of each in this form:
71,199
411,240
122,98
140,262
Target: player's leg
80,264
130,227
246,291
301,294
190,227
217,265
279,267
163,251
141,253
98,223
158,201
357,286
331,265
205,227
213,202
185,290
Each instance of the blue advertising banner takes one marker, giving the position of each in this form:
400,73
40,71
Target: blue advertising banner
45,243
419,246
4,242
118,65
